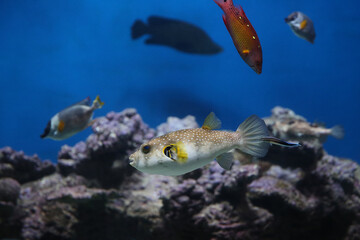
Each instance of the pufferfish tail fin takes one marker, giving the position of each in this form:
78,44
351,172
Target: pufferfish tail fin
97,103
337,132
252,132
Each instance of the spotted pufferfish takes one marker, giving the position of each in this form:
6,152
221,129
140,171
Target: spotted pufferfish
182,151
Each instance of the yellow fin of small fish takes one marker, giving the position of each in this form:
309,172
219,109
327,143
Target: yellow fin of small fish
97,103
211,122
61,126
303,24
180,152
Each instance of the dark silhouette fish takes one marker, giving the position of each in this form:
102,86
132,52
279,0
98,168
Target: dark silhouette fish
177,34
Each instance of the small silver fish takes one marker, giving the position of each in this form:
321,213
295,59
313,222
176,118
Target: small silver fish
71,120
182,151
301,25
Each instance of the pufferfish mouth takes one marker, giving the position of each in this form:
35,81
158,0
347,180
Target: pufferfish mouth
132,160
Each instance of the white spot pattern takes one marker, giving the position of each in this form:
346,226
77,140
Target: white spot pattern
198,137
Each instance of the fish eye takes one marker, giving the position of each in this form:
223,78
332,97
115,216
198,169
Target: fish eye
146,149
224,0
167,152
294,16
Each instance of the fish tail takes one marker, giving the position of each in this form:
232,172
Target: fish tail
337,132
138,29
97,103
251,134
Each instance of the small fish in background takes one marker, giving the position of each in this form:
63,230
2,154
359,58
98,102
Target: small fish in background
72,119
243,34
185,150
177,34
305,131
286,124
301,25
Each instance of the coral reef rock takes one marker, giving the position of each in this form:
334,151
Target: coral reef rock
93,193
9,193
23,168
104,155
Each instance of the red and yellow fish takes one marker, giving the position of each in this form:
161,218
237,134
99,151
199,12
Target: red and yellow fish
243,34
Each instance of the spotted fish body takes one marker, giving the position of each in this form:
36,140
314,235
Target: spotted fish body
183,151
200,145
243,34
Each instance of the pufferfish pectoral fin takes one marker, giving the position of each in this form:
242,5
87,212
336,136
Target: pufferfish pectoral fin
225,160
178,152
211,122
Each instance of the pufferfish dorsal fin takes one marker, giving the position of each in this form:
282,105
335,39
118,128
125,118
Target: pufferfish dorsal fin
211,122
178,152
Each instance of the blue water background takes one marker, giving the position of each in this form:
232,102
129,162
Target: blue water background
55,53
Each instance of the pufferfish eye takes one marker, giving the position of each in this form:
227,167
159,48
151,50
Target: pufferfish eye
146,149
167,151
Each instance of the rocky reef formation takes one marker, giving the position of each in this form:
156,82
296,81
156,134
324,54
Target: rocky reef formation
92,193
104,155
23,168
